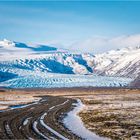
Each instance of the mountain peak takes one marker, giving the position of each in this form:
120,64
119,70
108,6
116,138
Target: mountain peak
7,43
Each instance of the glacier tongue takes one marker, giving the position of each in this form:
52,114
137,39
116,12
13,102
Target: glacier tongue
64,80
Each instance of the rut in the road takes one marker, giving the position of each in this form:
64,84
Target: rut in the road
37,121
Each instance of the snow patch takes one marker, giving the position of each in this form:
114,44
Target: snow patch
79,129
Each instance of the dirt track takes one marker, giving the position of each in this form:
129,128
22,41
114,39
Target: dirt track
43,119
37,121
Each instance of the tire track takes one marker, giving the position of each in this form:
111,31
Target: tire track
37,121
49,128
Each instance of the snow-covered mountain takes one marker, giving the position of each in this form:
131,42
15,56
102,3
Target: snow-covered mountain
124,62
10,47
22,62
18,56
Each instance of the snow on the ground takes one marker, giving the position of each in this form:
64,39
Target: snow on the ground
79,129
17,101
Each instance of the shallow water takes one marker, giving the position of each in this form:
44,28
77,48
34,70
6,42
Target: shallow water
18,106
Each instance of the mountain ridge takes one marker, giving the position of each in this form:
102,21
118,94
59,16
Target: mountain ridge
124,62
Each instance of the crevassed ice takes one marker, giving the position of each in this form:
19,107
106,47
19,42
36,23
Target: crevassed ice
65,80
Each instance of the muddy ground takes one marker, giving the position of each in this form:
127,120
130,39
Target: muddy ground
112,113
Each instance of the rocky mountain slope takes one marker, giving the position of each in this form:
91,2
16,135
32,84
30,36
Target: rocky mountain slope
136,82
124,62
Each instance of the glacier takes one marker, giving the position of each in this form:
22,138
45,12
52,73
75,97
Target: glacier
64,80
28,66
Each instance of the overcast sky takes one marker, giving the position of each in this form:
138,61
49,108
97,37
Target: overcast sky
85,26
